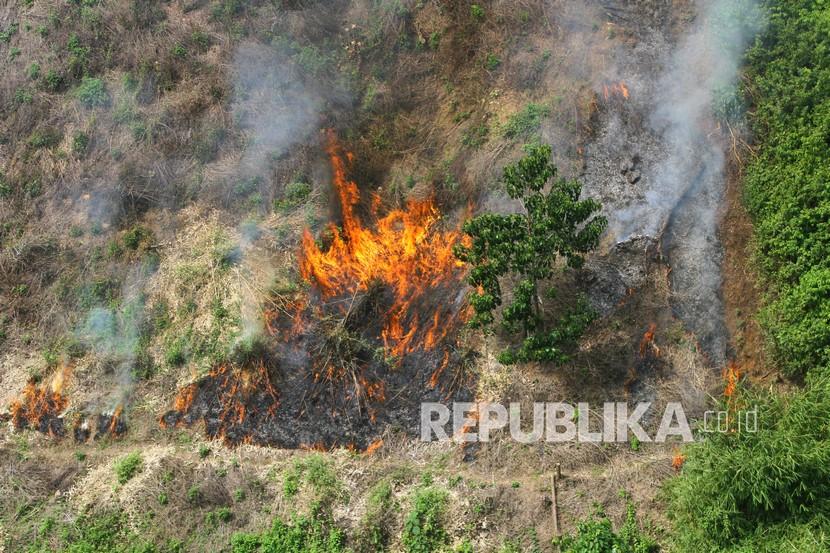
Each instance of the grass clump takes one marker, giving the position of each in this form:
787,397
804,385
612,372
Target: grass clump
92,93
128,466
295,194
375,532
525,122
596,534
316,533
423,530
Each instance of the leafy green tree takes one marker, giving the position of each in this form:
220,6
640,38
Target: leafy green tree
555,225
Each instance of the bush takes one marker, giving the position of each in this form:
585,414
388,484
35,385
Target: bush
423,530
80,143
786,185
92,93
314,534
735,487
525,122
596,535
128,466
295,194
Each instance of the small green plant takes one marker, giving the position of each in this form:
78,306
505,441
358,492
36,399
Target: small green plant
179,50
423,530
239,495
525,122
14,52
7,33
596,534
163,499
23,96
80,143
44,139
492,61
475,136
295,194
128,466
477,12
204,451
222,514
92,93
53,81
194,494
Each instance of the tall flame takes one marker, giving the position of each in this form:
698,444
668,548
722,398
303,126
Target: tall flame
403,250
41,406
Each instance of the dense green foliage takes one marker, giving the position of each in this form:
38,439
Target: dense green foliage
423,530
788,183
739,489
556,225
314,534
770,491
128,466
596,535
105,532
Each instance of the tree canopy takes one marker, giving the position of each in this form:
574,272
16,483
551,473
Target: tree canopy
526,247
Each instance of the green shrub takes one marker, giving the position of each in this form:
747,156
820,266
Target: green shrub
128,466
374,531
739,486
204,451
492,61
53,81
194,494
80,143
34,71
92,93
423,530
44,139
314,534
23,96
295,194
477,12
596,535
525,122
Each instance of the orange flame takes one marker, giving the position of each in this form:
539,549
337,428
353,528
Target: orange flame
615,89
40,406
677,461
234,389
731,376
374,446
404,251
647,342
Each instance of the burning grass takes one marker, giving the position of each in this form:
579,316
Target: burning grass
231,401
374,332
41,406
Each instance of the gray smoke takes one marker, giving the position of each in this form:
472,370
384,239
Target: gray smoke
658,162
273,105
114,334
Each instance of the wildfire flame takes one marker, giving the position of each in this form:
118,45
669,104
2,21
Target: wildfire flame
234,393
41,406
731,376
615,89
677,461
647,342
403,250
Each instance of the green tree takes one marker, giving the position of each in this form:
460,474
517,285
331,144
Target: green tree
526,246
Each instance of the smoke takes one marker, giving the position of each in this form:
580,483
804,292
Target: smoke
114,334
704,64
273,105
278,104
687,182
